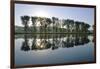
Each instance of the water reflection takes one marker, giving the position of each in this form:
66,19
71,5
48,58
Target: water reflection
25,44
52,41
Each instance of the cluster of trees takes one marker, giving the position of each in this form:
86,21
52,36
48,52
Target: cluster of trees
54,43
54,25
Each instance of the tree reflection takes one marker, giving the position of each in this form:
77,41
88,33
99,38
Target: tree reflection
25,44
54,41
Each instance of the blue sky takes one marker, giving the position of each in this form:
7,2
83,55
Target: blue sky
76,13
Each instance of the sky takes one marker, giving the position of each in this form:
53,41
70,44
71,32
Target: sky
76,13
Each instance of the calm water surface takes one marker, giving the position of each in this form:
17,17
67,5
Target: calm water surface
33,49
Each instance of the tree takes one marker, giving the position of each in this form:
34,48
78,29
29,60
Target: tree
53,21
57,24
25,20
41,22
87,27
48,20
72,25
33,19
82,26
67,24
77,25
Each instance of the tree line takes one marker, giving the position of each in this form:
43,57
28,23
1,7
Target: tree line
54,24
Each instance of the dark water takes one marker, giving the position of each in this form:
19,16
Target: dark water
33,49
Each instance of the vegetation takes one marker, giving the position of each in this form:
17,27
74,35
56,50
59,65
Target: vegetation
51,25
